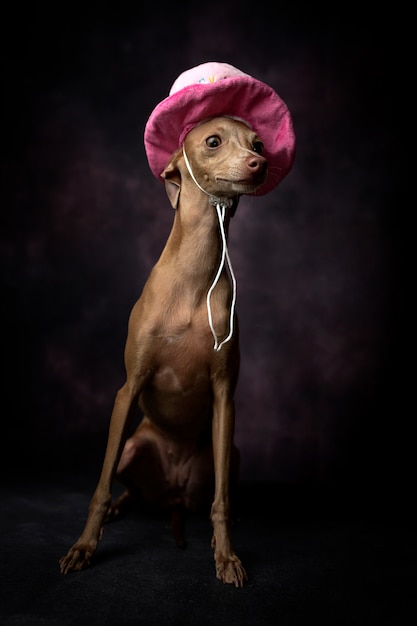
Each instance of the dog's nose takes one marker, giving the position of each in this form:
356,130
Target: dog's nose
256,163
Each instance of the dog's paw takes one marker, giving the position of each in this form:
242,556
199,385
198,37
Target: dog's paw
231,571
77,559
120,508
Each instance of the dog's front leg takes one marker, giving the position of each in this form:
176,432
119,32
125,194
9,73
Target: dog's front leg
79,556
229,568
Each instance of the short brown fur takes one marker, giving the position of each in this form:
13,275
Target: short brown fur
183,448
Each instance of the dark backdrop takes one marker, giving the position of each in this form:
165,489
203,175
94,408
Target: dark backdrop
319,261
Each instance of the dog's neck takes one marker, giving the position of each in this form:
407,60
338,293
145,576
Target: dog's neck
196,250
195,241
194,246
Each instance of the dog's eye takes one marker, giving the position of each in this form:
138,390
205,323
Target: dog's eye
258,147
213,142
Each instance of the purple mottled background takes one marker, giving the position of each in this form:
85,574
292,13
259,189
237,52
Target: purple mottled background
318,261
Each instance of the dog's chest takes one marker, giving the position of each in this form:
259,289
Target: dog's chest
185,326
179,390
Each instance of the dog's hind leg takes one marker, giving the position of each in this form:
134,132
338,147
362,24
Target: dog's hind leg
120,507
177,512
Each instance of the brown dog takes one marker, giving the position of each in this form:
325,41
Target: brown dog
180,375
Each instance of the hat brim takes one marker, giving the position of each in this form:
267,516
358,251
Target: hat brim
244,97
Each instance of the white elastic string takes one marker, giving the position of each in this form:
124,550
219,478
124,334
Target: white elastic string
221,204
225,254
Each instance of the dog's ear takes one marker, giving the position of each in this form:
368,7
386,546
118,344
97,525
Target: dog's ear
173,192
172,178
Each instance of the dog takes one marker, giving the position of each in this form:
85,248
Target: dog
219,134
177,370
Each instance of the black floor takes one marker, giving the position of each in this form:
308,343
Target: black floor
311,559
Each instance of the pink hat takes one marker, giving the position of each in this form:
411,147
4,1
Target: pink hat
216,89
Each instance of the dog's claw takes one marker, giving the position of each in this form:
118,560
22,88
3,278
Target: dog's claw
76,560
231,571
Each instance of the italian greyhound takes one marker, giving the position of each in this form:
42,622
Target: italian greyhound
182,354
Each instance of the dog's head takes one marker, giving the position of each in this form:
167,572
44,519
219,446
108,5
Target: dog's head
224,160
211,90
